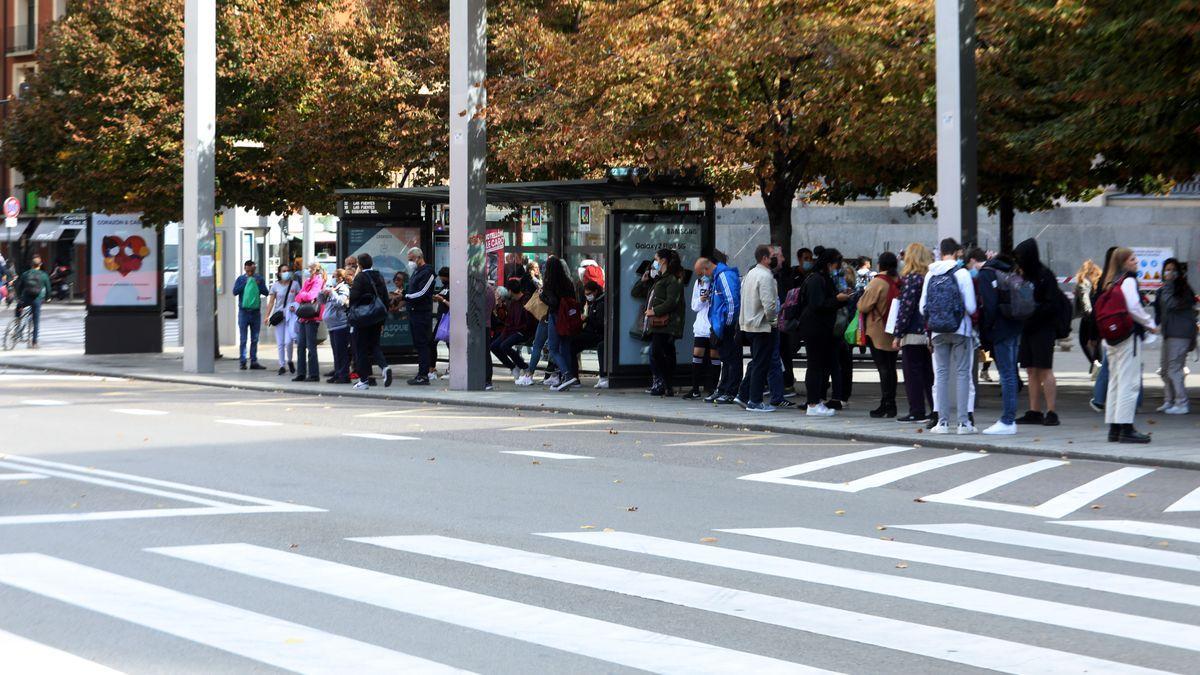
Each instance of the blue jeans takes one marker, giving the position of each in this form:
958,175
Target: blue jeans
560,349
1100,390
249,321
306,350
35,314
539,340
503,348
730,349
339,341
1005,354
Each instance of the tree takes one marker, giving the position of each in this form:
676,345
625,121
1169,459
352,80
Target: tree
766,95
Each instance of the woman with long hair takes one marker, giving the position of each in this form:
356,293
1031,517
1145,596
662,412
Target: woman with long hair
283,299
1086,280
1175,312
1125,353
874,305
662,286
910,337
307,367
1037,340
557,289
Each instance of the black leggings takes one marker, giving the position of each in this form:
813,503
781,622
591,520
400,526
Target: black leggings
819,350
918,378
885,363
663,357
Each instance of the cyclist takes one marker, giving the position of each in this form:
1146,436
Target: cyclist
33,287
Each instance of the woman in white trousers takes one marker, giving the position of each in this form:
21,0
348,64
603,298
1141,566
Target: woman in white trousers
1125,356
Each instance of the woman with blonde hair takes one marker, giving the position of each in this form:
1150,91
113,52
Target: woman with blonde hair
910,337
337,303
310,303
1086,280
1123,351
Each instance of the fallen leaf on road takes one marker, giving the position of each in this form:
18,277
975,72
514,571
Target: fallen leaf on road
1097,507
647,455
613,432
1151,421
740,462
839,512
294,546
719,458
293,641
75,505
535,462
888,538
587,527
881,527
609,529
618,481
902,566
631,509
22,482
1164,543
919,500
1131,495
431,459
707,540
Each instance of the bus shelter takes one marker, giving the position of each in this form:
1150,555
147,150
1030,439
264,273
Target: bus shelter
617,221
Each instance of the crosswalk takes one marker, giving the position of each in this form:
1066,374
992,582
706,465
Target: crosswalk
66,329
970,494
1063,606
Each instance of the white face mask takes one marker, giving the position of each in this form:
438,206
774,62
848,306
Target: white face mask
412,267
590,298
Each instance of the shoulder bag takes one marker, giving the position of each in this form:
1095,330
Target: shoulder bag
370,314
278,315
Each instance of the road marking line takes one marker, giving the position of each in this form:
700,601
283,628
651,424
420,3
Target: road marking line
26,656
254,636
1059,506
383,437
46,402
545,455
598,639
1156,530
1052,542
913,638
785,475
21,476
1120,584
551,425
249,423
726,440
11,377
139,412
95,480
396,413
1190,502
134,514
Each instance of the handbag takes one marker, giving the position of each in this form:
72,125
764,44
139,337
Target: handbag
278,315
537,308
370,314
854,331
443,329
659,321
307,310
889,326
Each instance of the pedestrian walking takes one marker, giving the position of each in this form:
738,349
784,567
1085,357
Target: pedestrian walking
662,288
309,309
368,311
1175,313
1006,302
910,337
874,307
1122,323
706,362
337,322
759,322
822,300
564,320
249,289
281,313
418,298
592,335
1037,340
947,302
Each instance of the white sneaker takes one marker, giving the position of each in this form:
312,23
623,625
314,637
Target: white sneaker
819,410
361,385
1181,409
940,428
552,381
566,385
1165,407
602,383
523,381
1000,429
966,429
516,373
487,387
432,375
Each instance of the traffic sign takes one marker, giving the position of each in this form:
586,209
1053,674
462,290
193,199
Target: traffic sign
12,207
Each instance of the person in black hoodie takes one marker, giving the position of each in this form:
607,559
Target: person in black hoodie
419,297
820,312
1001,336
1037,338
368,284
592,336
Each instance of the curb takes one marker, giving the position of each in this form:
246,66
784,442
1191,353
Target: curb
833,434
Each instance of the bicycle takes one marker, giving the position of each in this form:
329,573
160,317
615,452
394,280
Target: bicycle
19,330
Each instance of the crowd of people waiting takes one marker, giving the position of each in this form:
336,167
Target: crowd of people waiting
942,322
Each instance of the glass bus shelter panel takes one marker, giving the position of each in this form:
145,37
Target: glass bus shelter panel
388,246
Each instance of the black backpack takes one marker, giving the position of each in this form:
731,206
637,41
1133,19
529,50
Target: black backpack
1064,312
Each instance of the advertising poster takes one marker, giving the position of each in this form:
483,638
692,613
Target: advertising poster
124,260
639,242
585,218
494,247
1150,265
388,248
535,219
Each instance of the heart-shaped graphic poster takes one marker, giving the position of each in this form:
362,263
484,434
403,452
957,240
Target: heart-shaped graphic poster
124,256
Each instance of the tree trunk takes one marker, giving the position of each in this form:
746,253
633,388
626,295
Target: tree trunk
1006,224
778,202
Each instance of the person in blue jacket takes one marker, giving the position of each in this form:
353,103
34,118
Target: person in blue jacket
723,314
1001,336
249,289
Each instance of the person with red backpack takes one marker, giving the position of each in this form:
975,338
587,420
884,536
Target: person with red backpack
565,318
1121,322
874,306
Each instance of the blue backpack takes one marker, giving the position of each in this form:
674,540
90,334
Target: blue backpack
944,309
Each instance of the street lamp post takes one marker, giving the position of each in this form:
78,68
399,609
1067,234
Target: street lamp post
957,131
197,264
468,198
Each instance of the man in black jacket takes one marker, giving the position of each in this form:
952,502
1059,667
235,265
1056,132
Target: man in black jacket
419,297
368,285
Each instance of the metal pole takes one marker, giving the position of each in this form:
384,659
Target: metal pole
468,198
957,133
199,185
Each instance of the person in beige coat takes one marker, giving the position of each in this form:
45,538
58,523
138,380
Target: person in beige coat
874,305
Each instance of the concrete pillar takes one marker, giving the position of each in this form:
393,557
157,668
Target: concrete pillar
310,250
957,133
232,268
468,182
197,268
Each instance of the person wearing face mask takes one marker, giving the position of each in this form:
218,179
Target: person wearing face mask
1175,312
821,305
706,362
283,300
1000,332
419,298
662,287
1123,323
592,335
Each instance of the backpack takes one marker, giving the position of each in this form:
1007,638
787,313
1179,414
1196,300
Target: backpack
944,308
251,297
1064,313
1113,322
31,288
568,321
1016,296
793,307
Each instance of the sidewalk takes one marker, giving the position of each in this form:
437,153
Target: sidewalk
1082,434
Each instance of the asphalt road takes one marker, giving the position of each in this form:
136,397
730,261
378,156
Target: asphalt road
152,528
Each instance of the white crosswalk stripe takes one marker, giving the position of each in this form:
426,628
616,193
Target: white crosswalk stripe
254,636
22,655
1157,530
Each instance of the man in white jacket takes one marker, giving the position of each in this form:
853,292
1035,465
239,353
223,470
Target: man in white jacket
760,310
947,302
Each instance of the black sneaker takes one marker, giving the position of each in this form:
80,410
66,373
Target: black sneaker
242,366
909,418
256,366
1051,419
419,381
833,404
299,378
712,398
692,395
387,377
784,403
282,370
933,421
1031,417
291,366
312,378
1131,435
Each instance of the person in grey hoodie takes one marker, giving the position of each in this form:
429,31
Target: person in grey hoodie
337,304
1175,313
953,351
